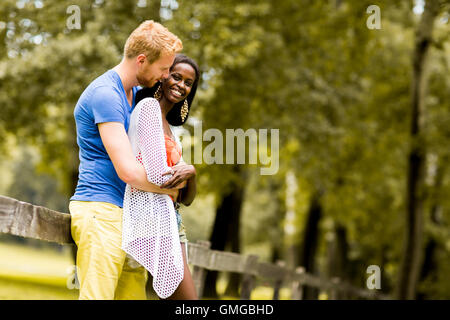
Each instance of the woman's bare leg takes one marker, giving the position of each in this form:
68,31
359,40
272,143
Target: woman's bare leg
186,289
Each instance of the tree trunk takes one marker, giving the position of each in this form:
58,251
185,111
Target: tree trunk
337,255
276,237
410,267
234,238
276,233
225,229
430,265
310,243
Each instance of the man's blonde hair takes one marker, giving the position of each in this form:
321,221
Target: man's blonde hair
153,40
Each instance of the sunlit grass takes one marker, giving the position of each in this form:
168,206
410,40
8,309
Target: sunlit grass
260,292
23,289
34,274
26,260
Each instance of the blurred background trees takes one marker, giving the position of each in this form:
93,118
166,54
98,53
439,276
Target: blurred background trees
340,93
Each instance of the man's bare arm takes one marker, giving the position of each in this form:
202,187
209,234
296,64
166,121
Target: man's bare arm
116,143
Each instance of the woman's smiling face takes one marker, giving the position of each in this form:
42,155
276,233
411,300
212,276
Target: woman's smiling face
179,83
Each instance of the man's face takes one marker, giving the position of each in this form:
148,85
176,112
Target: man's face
148,74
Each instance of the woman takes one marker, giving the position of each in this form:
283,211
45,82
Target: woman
153,233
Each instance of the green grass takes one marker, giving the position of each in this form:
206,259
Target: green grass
23,289
27,273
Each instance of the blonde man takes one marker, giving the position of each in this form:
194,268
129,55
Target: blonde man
107,164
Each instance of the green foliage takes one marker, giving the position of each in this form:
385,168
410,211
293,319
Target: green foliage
32,186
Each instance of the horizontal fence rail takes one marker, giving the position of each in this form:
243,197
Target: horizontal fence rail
27,220
30,221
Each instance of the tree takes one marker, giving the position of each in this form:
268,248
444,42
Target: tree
412,256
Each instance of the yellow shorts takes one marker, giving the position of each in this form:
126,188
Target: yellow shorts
104,271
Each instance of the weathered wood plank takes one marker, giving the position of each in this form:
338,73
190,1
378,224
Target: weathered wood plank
216,260
227,261
271,271
297,284
248,280
199,273
279,282
26,220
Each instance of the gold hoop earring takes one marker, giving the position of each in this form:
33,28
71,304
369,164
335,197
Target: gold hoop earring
158,93
184,110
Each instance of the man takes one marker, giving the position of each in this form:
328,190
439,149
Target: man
107,164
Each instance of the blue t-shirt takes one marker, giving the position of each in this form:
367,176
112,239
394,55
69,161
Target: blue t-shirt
104,100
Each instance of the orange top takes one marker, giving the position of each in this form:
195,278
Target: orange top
173,151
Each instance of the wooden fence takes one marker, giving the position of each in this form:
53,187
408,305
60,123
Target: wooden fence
31,221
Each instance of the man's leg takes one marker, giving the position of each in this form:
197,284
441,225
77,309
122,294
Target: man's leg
131,285
97,231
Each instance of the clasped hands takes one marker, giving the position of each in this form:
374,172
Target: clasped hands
181,172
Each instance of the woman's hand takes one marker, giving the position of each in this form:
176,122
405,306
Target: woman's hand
181,173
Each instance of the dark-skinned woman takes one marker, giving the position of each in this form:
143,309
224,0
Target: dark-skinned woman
154,235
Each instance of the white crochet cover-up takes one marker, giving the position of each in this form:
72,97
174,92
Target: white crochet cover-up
150,230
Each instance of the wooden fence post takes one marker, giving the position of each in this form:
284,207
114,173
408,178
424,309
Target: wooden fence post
248,280
297,285
199,273
333,292
278,282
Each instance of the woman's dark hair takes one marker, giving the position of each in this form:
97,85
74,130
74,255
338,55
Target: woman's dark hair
174,115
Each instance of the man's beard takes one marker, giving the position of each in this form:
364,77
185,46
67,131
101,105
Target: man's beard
144,82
